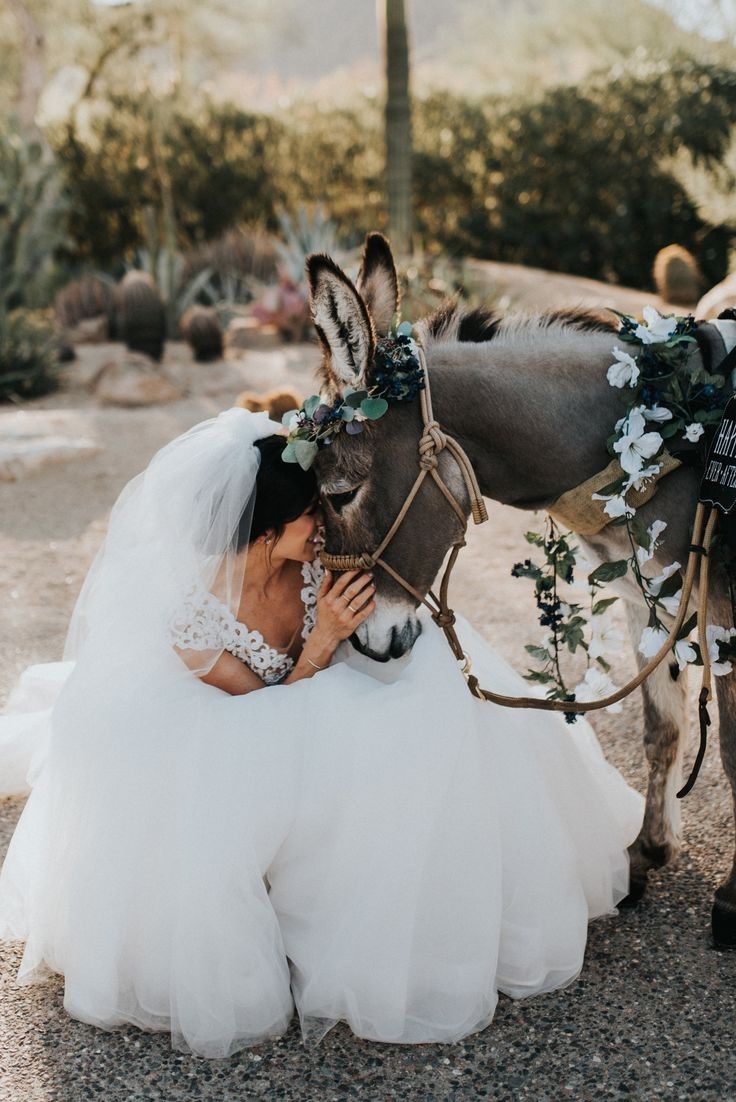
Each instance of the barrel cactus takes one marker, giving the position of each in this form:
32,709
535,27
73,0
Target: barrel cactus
677,276
141,316
88,297
201,329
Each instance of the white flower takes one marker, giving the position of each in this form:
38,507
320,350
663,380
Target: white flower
615,506
636,445
655,584
625,371
715,635
604,636
693,432
596,685
657,413
639,480
685,653
655,530
671,604
652,640
656,329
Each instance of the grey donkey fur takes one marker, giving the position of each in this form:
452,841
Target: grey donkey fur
532,408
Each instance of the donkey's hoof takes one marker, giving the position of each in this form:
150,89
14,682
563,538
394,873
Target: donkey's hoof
723,924
637,888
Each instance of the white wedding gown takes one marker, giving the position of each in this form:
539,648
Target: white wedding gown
372,845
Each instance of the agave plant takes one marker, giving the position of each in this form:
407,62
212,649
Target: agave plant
32,220
308,232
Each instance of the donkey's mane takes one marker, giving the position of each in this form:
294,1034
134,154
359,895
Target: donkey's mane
452,322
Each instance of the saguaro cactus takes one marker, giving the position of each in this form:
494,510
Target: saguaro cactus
398,123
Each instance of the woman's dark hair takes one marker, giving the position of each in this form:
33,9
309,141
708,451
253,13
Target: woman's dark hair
283,491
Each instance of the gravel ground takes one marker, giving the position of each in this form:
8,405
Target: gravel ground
652,1014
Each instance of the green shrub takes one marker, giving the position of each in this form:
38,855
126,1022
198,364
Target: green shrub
29,355
574,179
216,163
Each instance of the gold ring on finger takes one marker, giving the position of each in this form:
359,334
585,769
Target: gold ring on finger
351,608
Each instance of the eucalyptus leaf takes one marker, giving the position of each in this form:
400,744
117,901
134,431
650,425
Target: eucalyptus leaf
541,653
289,454
347,413
305,451
286,419
311,403
352,428
353,398
373,408
404,330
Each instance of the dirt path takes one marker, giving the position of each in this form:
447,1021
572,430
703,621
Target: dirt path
652,1014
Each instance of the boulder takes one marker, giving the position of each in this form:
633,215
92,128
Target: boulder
88,331
31,440
134,380
719,298
243,333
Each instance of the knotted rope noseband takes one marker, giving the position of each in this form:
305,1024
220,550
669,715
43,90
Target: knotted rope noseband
432,441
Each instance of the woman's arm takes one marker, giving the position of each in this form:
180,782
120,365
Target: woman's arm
335,621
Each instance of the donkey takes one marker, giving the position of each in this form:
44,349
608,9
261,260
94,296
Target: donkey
528,400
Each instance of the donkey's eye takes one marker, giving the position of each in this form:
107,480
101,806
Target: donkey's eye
339,501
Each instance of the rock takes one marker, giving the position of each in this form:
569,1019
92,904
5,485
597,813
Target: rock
31,440
719,298
88,331
134,380
245,333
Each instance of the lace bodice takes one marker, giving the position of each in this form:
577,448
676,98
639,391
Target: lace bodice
205,623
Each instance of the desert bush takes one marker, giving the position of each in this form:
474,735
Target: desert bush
215,160
574,179
29,355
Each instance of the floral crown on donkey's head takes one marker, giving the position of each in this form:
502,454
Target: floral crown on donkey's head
366,372
396,376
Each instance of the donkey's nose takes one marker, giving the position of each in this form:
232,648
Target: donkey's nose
404,638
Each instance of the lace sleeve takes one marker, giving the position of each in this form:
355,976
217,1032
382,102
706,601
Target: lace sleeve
202,623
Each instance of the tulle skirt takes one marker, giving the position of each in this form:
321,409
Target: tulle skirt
371,845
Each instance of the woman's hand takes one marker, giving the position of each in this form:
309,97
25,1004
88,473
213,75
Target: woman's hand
343,603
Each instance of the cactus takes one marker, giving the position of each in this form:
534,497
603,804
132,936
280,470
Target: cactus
141,314
201,329
677,276
89,297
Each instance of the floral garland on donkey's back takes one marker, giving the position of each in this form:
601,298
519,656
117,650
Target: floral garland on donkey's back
670,401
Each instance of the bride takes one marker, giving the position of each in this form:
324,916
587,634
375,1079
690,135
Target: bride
233,813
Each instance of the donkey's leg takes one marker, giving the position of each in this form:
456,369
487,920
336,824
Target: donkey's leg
665,728
724,908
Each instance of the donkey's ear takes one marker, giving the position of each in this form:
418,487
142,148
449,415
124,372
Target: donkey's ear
341,320
377,281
